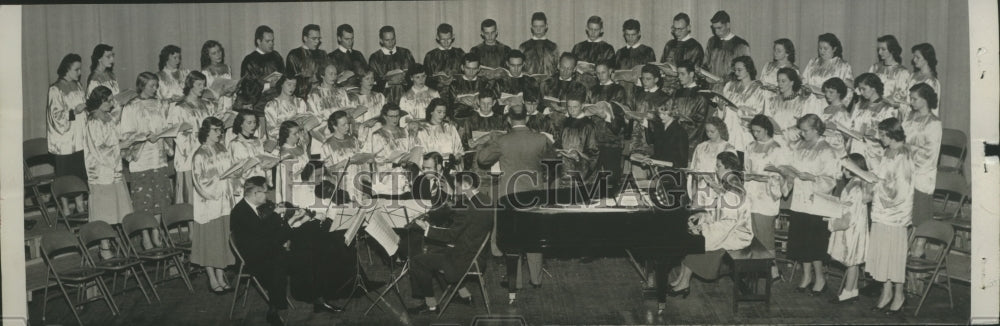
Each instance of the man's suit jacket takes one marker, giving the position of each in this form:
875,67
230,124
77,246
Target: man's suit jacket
259,239
521,149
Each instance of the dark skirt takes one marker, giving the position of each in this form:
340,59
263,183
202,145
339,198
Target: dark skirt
808,237
71,164
923,207
705,265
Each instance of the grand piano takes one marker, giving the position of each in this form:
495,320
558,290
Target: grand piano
563,222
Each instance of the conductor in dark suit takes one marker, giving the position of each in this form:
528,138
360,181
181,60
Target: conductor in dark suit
452,236
260,232
520,153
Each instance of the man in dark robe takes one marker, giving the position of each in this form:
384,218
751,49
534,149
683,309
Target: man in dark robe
578,140
263,61
632,55
594,49
346,58
606,89
518,81
646,102
541,54
305,61
491,52
445,61
683,47
690,107
387,59
468,83
566,80
722,47
610,129
486,116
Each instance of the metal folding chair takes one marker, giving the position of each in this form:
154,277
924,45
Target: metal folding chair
240,276
473,270
938,233
69,186
36,152
121,262
137,222
65,275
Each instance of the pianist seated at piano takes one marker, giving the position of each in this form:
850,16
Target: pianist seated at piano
452,235
726,226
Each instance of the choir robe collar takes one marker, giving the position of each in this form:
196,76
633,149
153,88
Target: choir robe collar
260,51
388,51
418,90
633,46
490,115
688,37
609,82
654,90
343,49
471,80
691,85
543,38
566,79
444,48
598,40
729,36
169,71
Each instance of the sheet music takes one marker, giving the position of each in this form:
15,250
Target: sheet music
354,226
379,227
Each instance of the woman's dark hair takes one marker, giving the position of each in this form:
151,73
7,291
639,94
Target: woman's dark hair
893,129
789,48
858,160
836,84
433,106
747,62
191,78
95,57
871,80
389,107
206,126
764,122
814,121
927,93
98,96
334,117
793,76
66,63
655,71
719,125
733,181
285,130
927,51
893,46
240,118
415,69
833,41
143,79
438,159
206,60
166,53
248,93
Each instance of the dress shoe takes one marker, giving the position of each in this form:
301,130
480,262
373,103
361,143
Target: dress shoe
682,293
820,292
274,319
465,301
536,286
803,289
842,299
322,306
890,312
422,309
219,290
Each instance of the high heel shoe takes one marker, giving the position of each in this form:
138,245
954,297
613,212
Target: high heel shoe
682,293
219,290
890,312
803,289
820,292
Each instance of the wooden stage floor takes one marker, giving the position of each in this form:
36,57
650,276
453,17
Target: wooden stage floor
605,291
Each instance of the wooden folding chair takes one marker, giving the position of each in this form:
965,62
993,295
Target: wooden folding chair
942,234
472,270
79,277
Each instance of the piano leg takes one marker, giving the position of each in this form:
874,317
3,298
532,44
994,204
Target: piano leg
662,267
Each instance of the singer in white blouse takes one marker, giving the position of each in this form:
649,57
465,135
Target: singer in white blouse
65,124
143,119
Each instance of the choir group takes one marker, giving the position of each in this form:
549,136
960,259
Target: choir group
199,136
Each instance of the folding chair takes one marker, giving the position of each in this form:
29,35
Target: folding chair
137,222
176,216
240,276
942,234
950,193
36,152
79,277
954,144
69,186
472,270
121,262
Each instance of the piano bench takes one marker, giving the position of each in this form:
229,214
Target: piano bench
751,266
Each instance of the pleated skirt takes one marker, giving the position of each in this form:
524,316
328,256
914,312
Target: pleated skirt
110,202
210,243
886,256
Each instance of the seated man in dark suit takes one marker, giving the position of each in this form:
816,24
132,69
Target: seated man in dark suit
260,232
452,235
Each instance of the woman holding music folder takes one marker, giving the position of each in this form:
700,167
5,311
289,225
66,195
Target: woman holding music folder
812,171
66,121
849,231
835,115
291,170
341,155
748,96
102,64
868,110
109,198
703,160
214,67
828,63
725,226
287,105
763,187
187,114
787,106
438,134
891,214
418,96
212,167
171,75
783,56
246,146
923,136
325,98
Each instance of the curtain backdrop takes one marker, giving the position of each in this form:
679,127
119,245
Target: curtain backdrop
138,32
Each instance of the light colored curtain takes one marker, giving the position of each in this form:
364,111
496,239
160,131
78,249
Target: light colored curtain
138,32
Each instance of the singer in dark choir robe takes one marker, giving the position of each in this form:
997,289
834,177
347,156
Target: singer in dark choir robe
518,81
536,118
491,52
578,141
610,130
541,55
683,47
646,101
444,59
346,58
388,58
486,116
722,48
264,60
633,53
306,60
594,49
606,89
689,107
566,81
468,83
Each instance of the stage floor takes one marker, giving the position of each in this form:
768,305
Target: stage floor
605,291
